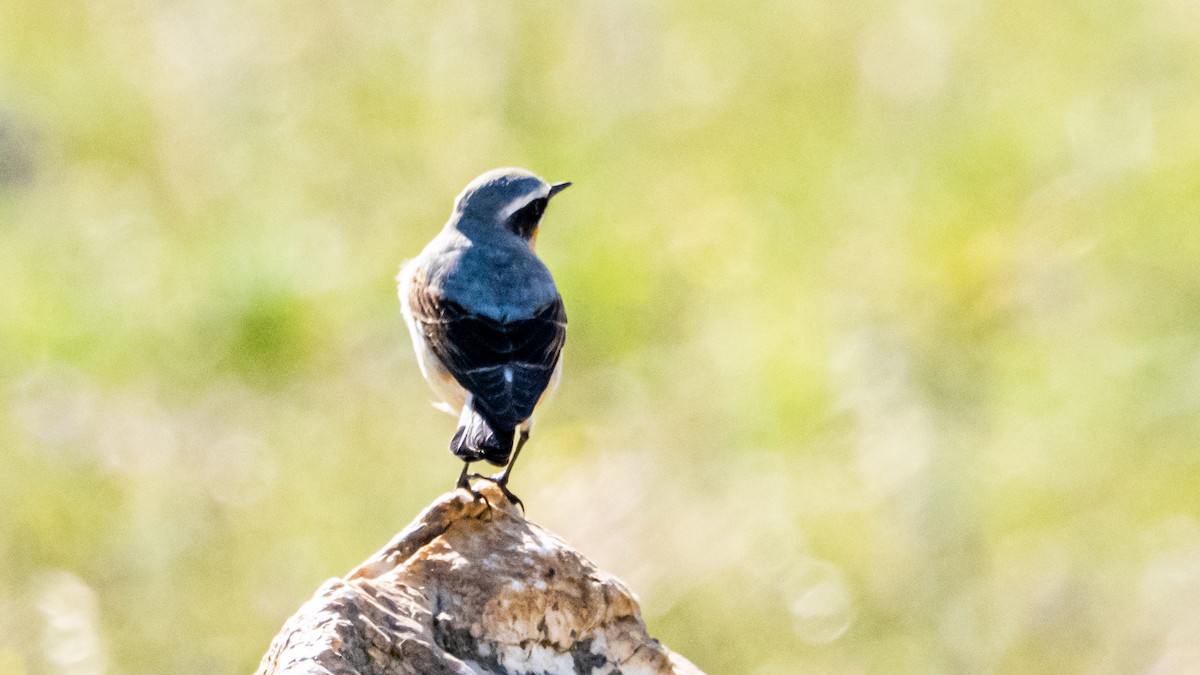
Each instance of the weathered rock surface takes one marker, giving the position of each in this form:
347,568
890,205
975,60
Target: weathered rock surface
468,589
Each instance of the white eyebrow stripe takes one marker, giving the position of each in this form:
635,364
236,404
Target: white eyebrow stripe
520,203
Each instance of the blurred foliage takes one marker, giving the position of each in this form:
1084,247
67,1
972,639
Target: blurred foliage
885,319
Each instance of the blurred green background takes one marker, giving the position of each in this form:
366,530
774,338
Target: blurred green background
884,352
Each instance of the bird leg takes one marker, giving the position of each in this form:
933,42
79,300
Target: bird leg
465,483
501,479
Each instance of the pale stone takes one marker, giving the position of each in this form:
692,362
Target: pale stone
472,588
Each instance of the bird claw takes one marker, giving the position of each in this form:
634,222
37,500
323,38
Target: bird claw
476,495
501,481
510,496
465,483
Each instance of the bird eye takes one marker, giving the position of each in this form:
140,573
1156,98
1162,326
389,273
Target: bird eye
537,207
525,221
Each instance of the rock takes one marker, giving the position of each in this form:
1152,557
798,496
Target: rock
470,589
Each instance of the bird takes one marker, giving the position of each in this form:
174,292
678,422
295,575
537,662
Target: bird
486,319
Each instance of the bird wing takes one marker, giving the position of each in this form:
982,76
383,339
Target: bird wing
505,364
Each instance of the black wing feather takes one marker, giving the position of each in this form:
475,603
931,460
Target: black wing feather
477,350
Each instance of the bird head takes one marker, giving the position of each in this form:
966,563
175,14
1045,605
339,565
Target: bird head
513,199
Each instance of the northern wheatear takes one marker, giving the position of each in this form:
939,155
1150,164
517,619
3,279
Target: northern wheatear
487,322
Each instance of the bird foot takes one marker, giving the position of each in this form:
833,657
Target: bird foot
501,481
476,495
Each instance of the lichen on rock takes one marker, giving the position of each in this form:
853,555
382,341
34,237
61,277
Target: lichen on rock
472,588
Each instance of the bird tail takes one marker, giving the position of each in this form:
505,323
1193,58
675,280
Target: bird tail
477,439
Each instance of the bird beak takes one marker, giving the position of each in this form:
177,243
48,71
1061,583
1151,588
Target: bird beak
557,188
